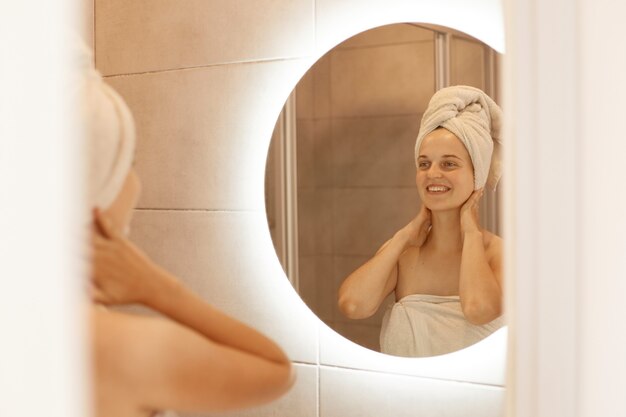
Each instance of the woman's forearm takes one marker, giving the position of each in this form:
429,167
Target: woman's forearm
479,290
171,298
362,292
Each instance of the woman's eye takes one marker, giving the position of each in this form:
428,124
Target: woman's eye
423,164
449,164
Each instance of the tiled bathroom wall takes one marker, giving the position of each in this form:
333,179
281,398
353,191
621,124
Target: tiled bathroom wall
206,81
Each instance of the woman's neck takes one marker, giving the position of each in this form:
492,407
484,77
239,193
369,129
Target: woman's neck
445,234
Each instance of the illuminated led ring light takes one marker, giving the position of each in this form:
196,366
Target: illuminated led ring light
485,361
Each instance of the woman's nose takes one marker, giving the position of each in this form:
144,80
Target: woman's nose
434,172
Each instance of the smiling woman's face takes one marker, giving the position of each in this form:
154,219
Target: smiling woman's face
445,174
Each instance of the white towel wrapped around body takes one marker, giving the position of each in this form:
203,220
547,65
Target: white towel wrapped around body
473,117
427,325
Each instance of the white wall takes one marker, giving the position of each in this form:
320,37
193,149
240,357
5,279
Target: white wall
564,83
41,355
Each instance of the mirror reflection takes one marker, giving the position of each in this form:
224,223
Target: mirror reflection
395,248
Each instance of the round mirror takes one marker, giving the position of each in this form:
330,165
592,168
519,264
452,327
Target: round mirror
341,172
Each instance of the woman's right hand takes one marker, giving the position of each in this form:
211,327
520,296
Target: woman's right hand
121,273
417,230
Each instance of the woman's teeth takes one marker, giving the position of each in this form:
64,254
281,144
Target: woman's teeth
437,189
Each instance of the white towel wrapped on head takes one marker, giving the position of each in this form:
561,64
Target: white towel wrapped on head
108,129
473,117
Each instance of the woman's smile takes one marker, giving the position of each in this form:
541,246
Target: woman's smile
437,189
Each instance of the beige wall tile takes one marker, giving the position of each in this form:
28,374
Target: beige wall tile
322,87
385,80
365,218
349,393
203,133
228,259
313,91
314,153
389,35
305,151
305,91
366,335
467,63
323,153
316,284
315,221
375,151
154,35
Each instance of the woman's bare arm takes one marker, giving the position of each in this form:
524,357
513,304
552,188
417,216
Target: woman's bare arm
169,297
480,281
480,287
362,292
149,364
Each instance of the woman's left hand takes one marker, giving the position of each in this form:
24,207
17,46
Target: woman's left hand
469,213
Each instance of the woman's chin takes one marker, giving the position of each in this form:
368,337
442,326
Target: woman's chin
441,206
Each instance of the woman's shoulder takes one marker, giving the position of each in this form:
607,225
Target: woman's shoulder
489,238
